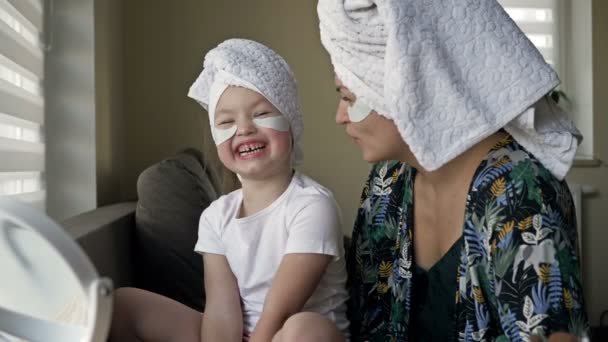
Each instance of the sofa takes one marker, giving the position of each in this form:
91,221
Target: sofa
149,243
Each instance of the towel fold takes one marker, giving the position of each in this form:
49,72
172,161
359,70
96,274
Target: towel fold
252,65
449,73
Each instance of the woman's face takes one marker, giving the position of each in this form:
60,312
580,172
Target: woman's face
376,136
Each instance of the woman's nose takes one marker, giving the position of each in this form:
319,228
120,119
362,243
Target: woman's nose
342,113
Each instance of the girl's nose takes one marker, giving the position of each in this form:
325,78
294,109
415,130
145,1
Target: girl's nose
246,127
342,114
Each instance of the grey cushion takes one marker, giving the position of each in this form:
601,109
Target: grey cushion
172,195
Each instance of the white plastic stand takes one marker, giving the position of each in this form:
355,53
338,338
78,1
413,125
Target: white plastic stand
98,291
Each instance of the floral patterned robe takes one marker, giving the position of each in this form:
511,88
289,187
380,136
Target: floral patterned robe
519,272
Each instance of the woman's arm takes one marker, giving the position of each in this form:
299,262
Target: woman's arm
223,316
296,279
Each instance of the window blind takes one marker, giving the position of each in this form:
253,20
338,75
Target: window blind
22,153
539,20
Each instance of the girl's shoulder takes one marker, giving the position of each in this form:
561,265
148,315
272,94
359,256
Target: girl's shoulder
224,206
306,187
308,194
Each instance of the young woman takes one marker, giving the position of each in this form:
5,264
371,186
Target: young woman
469,234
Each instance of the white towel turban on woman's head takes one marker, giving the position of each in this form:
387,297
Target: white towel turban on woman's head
449,73
252,65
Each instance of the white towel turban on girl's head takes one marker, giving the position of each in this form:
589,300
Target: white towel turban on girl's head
449,73
249,64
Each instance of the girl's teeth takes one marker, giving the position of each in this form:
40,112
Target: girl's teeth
251,149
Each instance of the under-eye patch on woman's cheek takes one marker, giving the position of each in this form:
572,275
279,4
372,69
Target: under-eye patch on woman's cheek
358,111
220,135
276,122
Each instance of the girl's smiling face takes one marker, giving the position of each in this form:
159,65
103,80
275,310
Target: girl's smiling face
253,152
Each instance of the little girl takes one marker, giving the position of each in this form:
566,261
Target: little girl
272,250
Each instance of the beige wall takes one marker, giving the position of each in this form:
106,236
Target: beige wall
164,44
109,117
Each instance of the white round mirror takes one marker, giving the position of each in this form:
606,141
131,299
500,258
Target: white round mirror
49,289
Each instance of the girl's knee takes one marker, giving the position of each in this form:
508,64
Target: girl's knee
125,299
122,294
125,314
140,315
309,327
121,313
122,298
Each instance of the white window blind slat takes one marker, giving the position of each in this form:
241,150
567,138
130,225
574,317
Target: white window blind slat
19,23
537,27
31,10
16,121
542,41
16,161
35,199
539,20
18,175
549,55
528,3
19,77
21,104
19,44
17,49
8,144
14,128
12,183
22,150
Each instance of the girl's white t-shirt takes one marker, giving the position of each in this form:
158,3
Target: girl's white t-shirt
304,219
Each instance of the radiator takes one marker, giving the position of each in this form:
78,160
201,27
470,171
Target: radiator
579,191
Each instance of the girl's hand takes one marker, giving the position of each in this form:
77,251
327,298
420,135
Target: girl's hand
295,281
223,307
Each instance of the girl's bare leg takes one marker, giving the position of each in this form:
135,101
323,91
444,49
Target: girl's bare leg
142,316
308,327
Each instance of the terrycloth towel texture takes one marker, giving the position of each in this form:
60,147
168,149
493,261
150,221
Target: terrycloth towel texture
449,73
249,64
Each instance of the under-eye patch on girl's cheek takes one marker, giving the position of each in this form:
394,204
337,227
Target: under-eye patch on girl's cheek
221,135
277,122
358,111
